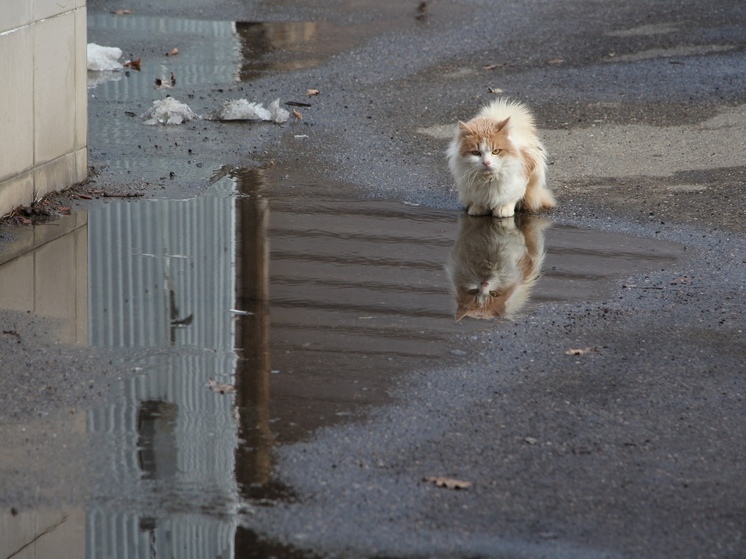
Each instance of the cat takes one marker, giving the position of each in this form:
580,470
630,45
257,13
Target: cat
498,162
495,263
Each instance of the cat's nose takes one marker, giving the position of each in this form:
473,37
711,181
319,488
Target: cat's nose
486,163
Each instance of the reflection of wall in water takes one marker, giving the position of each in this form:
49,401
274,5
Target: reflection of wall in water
155,263
259,39
213,61
39,533
162,276
45,272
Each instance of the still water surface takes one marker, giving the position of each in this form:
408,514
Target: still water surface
309,307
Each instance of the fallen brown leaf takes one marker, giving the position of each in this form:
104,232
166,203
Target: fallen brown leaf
173,52
489,67
311,92
13,333
134,64
448,482
216,386
297,115
582,351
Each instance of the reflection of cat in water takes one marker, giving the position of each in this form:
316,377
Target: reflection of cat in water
495,263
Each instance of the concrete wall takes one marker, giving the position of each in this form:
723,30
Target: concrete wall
43,99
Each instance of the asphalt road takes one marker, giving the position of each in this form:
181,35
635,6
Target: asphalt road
634,449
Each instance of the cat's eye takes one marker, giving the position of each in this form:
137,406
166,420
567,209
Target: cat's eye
494,293
496,151
476,152
473,292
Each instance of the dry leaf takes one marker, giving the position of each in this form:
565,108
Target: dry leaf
448,482
122,12
530,440
311,92
489,67
556,61
494,90
216,386
297,114
134,64
582,351
174,52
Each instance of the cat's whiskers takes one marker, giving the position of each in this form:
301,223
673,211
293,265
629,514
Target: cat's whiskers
470,176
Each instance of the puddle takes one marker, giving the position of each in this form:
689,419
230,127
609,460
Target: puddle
218,52
216,60
43,270
309,307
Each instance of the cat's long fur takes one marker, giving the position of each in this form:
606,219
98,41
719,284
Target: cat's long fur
498,161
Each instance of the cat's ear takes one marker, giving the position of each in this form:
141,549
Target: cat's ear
464,128
502,125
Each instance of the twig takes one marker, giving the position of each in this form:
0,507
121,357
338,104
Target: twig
125,195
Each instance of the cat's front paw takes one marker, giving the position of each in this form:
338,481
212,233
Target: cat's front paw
477,210
506,210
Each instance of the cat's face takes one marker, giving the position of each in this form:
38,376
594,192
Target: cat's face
485,146
482,299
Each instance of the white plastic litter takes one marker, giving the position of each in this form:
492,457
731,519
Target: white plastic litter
279,115
169,111
241,109
102,59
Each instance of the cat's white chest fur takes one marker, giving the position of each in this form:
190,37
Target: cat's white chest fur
497,190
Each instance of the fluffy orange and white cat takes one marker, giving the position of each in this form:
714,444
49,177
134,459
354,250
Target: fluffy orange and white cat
499,163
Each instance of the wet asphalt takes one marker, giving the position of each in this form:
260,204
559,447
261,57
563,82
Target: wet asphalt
634,448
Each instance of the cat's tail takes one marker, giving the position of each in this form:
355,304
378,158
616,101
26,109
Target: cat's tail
538,196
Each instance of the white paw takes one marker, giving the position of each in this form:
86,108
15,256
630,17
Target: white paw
506,210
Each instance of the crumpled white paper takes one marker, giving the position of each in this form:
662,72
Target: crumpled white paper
241,109
169,111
